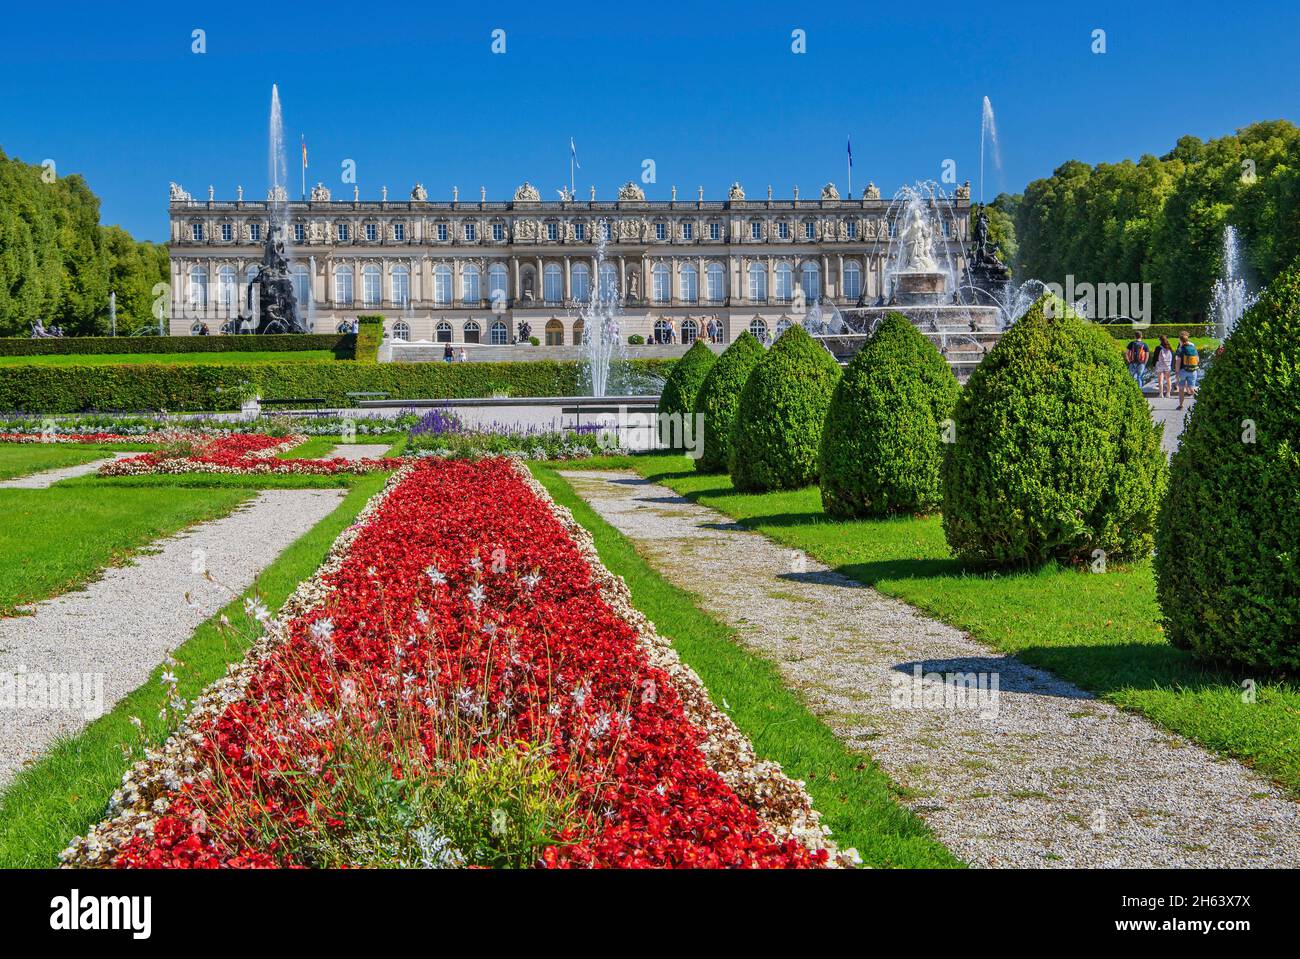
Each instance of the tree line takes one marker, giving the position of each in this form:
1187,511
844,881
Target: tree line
1160,220
59,264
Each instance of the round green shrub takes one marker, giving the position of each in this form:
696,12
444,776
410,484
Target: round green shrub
719,397
1228,534
881,447
1055,455
678,395
778,428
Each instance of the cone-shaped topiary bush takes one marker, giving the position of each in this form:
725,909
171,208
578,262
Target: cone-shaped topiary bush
881,447
1055,455
1228,537
680,389
778,427
719,396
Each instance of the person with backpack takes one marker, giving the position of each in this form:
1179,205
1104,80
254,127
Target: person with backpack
1164,367
1187,363
1136,356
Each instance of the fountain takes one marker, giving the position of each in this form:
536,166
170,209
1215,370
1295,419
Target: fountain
602,335
927,280
276,306
989,132
1229,297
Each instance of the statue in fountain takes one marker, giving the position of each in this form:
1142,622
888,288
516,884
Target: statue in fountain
277,306
917,238
988,272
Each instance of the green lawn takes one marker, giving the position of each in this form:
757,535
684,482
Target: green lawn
20,459
54,540
67,790
1099,630
231,358
856,799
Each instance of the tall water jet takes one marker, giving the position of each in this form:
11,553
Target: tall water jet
989,132
277,194
1230,298
602,334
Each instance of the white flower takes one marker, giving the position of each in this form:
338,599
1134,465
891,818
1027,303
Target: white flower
168,678
322,630
580,695
436,576
476,563
422,617
255,608
477,595
532,579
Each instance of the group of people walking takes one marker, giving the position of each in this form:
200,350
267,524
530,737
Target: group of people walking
1176,368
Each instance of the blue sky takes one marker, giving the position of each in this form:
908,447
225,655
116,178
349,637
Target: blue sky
710,91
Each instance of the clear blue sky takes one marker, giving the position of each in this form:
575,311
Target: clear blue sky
711,92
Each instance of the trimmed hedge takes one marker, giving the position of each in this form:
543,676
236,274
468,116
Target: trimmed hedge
1124,331
881,448
1228,536
145,386
683,384
342,345
1055,454
719,397
778,429
370,334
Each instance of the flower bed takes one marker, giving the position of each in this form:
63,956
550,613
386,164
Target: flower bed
244,453
461,684
71,438
442,433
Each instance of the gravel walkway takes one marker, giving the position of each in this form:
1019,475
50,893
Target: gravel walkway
359,451
48,478
1038,774
118,628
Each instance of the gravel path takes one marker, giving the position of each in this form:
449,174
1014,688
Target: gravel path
48,478
359,451
118,628
1042,774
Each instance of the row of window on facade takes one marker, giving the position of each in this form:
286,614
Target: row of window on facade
665,331
469,231
784,283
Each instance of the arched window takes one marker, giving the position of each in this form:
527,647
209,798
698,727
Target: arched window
442,332
577,331
759,329
469,285
553,284
812,282
402,331
401,281
784,283
690,331
343,286
500,335
301,285
663,331
472,331
782,325
852,280
226,286
554,332
757,283
608,281
717,290
442,284
690,284
580,282
663,280
371,286
198,294
498,285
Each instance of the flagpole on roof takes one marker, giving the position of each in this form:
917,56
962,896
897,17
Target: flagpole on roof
850,147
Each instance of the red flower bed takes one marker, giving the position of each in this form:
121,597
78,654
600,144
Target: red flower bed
237,453
462,592
71,438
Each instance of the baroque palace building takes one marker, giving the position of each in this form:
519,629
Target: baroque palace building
473,273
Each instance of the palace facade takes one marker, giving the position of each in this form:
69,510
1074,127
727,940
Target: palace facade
473,272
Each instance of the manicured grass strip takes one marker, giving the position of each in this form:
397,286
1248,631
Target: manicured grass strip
171,359
212,481
856,799
20,459
55,540
1100,631
314,448
68,789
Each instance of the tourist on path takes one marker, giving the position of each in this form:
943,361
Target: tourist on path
1187,362
464,357
447,355
1136,356
1164,367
